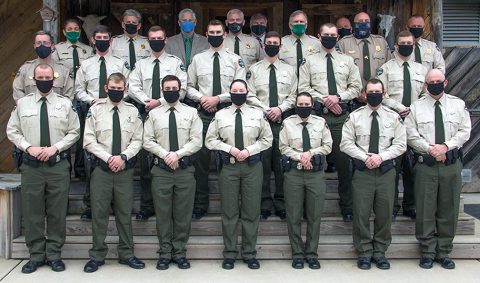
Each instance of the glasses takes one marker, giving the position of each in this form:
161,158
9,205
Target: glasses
45,43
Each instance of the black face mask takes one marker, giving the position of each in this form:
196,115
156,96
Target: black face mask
417,32
131,28
374,98
436,89
238,98
102,45
259,29
157,45
44,86
215,40
171,96
115,95
43,51
344,32
329,42
272,50
303,112
405,50
235,28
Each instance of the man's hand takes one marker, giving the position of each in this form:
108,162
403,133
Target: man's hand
330,100
34,150
336,109
116,163
242,155
46,153
234,152
404,113
441,158
437,150
171,158
362,97
274,114
305,160
174,165
151,103
209,102
373,161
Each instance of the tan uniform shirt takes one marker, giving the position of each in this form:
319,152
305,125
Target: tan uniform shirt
86,83
257,135
64,53
291,141
189,130
140,79
377,47
121,47
391,74
200,74
432,57
356,134
250,49
258,81
313,76
288,52
421,123
23,128
24,82
99,130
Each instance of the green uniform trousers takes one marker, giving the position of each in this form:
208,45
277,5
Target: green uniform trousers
173,195
437,195
372,190
45,195
271,162
304,190
108,188
404,167
241,190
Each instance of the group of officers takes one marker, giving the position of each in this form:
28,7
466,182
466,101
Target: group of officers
259,104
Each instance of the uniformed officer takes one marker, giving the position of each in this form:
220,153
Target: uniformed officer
44,126
130,46
304,141
344,27
209,77
258,26
247,47
173,134
113,135
187,43
373,136
297,45
272,87
91,80
404,82
426,52
240,133
144,88
24,82
333,79
437,127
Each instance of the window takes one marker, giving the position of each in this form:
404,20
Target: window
461,23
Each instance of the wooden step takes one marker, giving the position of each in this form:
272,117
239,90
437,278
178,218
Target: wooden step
268,247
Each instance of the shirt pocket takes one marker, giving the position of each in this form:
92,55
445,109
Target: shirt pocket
30,118
316,137
341,74
103,133
453,123
295,140
426,125
362,136
228,72
59,119
387,134
417,84
284,83
251,129
395,84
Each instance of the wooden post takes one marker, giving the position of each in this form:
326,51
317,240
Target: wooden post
437,22
10,212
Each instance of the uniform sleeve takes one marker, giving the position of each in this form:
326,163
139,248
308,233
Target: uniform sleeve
341,46
388,52
19,84
305,81
438,61
15,133
135,143
181,74
354,82
68,87
195,141
463,133
125,70
213,140
81,86
90,139
252,97
327,143
150,142
414,139
348,145
192,91
135,88
284,146
264,140
399,142
289,101
387,101
73,131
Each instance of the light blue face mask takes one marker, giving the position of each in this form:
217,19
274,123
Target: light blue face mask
187,26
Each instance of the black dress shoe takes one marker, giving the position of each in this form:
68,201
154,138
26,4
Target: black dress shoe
364,263
92,265
133,262
264,214
446,262
252,263
144,215
347,216
183,263
297,263
426,262
198,213
86,214
412,213
31,266
163,264
281,213
228,263
313,263
381,262
56,265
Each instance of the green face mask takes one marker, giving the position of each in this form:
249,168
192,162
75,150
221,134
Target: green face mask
72,36
298,29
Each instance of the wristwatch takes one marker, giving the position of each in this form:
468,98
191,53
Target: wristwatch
123,157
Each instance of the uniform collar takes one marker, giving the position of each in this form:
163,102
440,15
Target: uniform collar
107,56
38,96
242,108
220,52
323,53
400,62
127,38
432,101
161,58
177,107
359,40
267,64
299,120
370,110
240,35
110,105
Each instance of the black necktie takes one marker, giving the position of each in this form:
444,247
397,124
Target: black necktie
374,134
407,86
131,48
367,73
238,130
418,56
305,138
439,126
44,128
156,80
116,133
102,80
299,55
272,87
237,45
332,84
172,130
217,84
76,61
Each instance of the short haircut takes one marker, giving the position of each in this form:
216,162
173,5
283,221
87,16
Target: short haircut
132,12
71,21
258,16
239,81
404,33
154,29
296,13
235,11
215,23
102,29
42,66
185,11
328,25
273,34
304,94
416,16
42,32
374,81
171,78
117,77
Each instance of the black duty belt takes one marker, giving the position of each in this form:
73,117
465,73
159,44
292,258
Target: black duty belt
288,163
384,167
183,162
52,161
427,159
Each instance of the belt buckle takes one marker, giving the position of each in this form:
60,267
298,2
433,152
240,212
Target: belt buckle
232,160
299,166
420,159
58,158
325,110
155,161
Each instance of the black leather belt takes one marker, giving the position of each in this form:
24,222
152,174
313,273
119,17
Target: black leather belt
183,162
52,161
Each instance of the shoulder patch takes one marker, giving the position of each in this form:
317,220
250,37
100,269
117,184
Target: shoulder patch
248,75
379,71
182,67
240,63
89,114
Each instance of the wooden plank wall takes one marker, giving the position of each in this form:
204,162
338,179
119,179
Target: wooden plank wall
19,22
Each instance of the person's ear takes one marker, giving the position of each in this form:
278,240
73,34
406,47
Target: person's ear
106,88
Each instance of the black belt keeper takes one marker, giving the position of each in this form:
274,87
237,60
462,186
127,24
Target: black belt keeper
183,163
129,164
52,161
384,167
